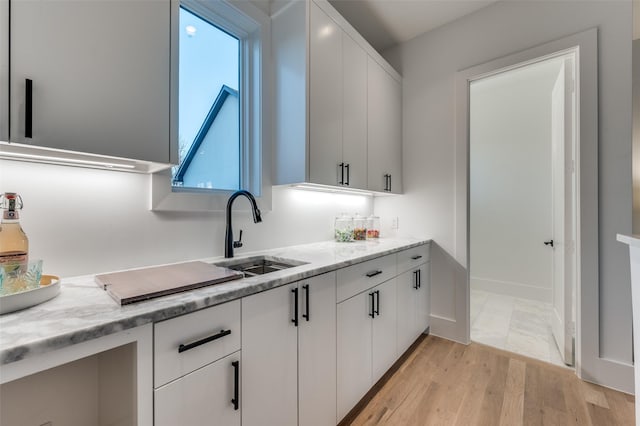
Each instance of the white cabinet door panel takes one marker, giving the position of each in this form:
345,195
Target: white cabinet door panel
354,127
269,359
100,72
325,98
384,153
384,329
354,351
424,298
4,70
408,295
200,398
317,351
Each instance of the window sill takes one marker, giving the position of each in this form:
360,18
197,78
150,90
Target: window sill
163,199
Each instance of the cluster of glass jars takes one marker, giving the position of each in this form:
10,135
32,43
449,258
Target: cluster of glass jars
356,228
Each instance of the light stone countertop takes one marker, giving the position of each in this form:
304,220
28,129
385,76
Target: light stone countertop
83,311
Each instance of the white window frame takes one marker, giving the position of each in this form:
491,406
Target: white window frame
252,26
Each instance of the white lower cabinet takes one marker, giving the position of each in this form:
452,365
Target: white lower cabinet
384,326
207,396
288,354
317,351
413,305
354,350
366,342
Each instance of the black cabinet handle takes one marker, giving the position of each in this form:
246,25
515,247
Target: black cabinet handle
377,311
373,274
295,306
415,279
347,166
236,385
416,257
386,182
195,344
372,296
341,182
419,278
389,183
28,108
549,243
307,315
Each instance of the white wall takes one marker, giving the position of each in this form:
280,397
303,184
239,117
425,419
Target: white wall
429,64
510,182
84,221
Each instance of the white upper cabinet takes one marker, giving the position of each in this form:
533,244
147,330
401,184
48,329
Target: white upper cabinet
384,129
354,101
325,99
94,77
4,70
321,99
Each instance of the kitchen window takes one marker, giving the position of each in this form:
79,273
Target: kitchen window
222,142
209,137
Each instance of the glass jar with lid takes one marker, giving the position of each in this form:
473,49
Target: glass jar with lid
359,228
373,227
343,228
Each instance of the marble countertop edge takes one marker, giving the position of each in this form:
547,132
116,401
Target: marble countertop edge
49,326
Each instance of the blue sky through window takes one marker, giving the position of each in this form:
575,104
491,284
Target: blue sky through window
209,59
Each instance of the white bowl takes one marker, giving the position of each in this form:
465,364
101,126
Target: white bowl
49,288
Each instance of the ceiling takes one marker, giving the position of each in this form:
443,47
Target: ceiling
385,23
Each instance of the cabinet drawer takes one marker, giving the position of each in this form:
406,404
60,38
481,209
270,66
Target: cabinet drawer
357,278
189,342
203,397
413,257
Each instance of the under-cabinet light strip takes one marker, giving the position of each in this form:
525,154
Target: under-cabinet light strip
52,159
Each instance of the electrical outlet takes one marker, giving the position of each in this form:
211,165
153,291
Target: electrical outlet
395,223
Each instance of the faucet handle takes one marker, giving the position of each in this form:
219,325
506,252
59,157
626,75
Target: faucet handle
238,244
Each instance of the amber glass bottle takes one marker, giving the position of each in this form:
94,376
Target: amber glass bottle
14,244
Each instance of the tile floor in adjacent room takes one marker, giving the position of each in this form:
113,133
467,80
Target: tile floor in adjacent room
518,325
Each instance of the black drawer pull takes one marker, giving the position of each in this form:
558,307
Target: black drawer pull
372,314
295,306
373,274
306,316
28,108
236,385
416,257
195,344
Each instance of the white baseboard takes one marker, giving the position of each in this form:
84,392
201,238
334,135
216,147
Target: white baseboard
523,291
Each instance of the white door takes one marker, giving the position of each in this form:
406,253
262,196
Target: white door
317,351
270,358
562,183
203,397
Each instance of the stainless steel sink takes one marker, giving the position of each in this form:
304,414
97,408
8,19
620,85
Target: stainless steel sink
259,265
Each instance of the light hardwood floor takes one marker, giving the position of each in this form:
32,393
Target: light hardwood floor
445,383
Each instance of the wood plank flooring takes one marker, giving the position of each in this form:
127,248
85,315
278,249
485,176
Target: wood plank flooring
445,383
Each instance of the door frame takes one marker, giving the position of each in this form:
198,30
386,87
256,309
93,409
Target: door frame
587,348
568,223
